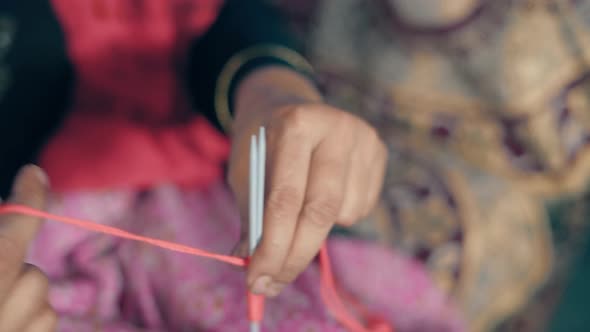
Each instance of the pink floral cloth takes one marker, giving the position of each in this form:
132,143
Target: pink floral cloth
101,283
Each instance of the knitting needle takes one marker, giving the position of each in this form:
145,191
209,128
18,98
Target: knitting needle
260,211
257,170
253,208
253,222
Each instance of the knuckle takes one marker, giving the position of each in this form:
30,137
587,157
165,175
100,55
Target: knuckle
343,124
288,274
283,201
35,279
321,213
295,120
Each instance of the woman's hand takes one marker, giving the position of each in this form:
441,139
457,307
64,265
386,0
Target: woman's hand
324,167
24,304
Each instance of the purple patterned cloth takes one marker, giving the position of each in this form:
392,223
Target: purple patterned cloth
108,284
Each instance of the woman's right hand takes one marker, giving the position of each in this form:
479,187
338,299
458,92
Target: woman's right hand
24,302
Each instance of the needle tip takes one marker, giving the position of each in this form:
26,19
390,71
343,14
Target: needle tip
254,327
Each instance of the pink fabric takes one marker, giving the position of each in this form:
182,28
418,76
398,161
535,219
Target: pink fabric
117,285
130,123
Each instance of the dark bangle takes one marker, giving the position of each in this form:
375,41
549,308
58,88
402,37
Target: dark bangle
243,63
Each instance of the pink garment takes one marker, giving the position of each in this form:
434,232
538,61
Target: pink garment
107,284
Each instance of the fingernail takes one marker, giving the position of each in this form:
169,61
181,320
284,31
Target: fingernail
261,285
41,175
35,170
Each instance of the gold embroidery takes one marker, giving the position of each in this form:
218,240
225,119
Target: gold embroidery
499,278
433,13
527,78
515,138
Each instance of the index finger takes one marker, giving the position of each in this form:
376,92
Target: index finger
323,202
17,231
288,168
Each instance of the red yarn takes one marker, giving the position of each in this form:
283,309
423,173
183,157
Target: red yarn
255,307
328,288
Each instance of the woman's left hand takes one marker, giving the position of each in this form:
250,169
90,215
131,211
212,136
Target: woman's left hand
324,167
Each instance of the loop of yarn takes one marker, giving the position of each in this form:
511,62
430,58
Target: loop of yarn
328,289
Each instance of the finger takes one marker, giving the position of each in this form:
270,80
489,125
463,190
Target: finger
288,166
30,187
25,300
376,178
46,321
356,187
16,231
323,202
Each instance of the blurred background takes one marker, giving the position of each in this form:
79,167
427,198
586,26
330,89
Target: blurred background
484,106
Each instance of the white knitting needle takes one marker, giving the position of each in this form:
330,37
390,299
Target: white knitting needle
253,208
257,170
253,222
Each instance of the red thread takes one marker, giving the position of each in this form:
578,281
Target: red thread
328,288
91,226
255,307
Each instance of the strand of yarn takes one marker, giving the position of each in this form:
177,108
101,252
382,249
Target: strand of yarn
328,289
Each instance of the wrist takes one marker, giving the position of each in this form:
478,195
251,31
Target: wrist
257,70
268,89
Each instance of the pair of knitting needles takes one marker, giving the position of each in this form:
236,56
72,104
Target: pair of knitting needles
256,210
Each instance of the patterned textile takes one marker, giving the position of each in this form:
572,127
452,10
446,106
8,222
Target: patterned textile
100,283
485,108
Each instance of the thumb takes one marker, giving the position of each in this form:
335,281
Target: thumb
16,230
30,188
